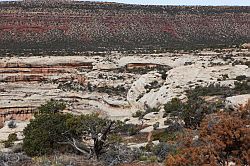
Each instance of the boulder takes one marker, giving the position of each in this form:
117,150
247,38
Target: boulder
237,101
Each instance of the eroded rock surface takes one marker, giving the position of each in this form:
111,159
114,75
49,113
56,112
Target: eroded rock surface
237,101
115,85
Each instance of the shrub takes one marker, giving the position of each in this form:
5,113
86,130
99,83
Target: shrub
164,136
164,76
12,124
149,146
242,87
162,149
69,86
9,158
91,127
8,144
224,138
173,107
174,127
143,158
129,129
11,139
43,133
194,111
115,138
241,78
52,107
211,90
47,132
191,112
118,90
119,154
153,159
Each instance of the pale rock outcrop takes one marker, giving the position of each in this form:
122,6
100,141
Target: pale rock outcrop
138,90
28,82
136,145
5,131
237,101
180,79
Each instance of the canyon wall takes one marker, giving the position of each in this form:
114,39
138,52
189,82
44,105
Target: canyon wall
101,26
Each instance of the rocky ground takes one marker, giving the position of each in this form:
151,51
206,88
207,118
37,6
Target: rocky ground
115,85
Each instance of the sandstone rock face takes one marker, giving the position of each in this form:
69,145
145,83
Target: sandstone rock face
21,75
116,85
182,78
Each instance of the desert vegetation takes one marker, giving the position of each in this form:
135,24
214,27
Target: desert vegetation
222,139
115,112
71,26
109,84
197,133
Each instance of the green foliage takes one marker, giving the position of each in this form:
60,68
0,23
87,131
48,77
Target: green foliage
149,146
173,107
52,107
46,132
95,128
153,159
87,124
162,149
143,158
164,136
195,109
118,90
211,90
132,129
11,139
127,129
241,78
192,111
242,87
70,86
8,144
43,133
115,138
